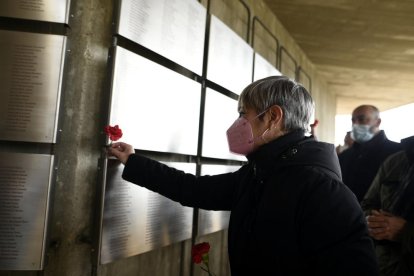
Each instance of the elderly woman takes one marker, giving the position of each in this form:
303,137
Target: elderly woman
290,212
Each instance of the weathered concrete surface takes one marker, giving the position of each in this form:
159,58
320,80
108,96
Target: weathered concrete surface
80,144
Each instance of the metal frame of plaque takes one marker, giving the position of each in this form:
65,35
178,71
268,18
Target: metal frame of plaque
288,64
174,29
42,10
256,19
31,81
304,79
263,68
230,58
134,220
25,189
213,221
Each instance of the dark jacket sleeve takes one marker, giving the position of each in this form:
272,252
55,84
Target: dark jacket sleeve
372,200
407,243
206,192
335,231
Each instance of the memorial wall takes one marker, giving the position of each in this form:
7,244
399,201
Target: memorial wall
31,67
177,112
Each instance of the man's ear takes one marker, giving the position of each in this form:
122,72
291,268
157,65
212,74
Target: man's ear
378,122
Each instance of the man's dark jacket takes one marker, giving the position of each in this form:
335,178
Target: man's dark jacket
290,212
393,191
360,163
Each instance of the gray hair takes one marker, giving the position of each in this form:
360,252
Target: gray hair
292,97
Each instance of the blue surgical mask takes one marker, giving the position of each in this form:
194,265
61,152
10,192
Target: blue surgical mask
361,133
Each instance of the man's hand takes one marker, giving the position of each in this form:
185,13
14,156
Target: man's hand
384,226
121,151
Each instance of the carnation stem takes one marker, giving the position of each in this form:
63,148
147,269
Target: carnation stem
207,270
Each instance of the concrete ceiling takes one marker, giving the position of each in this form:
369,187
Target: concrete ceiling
364,48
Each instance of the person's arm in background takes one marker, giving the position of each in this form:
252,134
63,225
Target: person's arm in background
381,225
372,199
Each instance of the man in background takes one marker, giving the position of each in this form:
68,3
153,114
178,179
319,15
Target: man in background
389,207
360,163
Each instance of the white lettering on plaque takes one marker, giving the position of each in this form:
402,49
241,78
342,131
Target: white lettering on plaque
30,83
136,220
43,10
24,197
173,28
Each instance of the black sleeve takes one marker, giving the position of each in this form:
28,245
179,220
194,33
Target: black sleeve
407,244
206,192
372,199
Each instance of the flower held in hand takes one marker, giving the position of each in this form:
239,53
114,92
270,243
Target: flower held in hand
114,132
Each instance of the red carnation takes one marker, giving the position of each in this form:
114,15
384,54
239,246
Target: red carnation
114,133
199,250
199,253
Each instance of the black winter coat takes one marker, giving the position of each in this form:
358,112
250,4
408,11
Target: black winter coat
360,163
290,212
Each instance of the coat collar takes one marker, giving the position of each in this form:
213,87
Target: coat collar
267,153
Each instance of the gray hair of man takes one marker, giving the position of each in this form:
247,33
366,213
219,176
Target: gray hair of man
295,101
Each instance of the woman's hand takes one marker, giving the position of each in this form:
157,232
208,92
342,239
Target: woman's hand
121,151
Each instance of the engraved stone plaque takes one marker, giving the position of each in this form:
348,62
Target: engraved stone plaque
156,108
42,10
230,58
263,69
173,28
212,221
30,84
287,64
220,113
137,220
25,181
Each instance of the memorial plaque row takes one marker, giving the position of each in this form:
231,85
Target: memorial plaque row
25,183
42,10
158,109
32,66
31,79
136,220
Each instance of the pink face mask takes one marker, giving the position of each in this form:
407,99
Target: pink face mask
240,136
